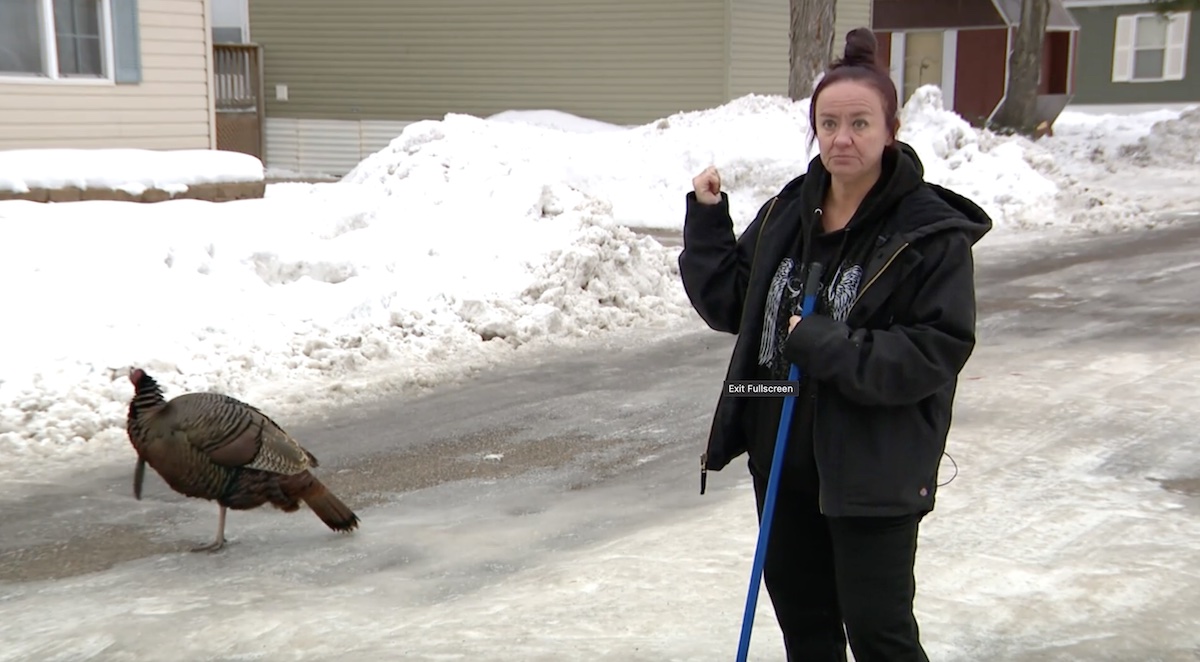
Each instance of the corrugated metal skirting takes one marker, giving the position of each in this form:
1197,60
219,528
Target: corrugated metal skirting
325,147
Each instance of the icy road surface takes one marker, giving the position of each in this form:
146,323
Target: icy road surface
550,512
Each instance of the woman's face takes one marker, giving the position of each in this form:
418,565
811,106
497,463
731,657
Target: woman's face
852,130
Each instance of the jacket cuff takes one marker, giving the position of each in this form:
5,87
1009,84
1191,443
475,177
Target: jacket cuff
699,209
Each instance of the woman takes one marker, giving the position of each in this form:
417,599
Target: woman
879,359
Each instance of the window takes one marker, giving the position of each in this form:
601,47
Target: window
1150,48
77,36
56,39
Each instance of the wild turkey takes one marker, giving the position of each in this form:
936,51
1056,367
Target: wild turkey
212,446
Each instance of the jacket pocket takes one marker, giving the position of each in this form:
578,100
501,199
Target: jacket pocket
888,455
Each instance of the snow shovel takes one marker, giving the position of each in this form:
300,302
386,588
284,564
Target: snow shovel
781,437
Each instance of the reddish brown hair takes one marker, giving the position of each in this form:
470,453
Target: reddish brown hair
859,64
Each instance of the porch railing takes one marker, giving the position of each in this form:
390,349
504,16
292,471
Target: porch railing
237,70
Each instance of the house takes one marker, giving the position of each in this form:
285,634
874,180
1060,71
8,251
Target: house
106,74
230,21
962,46
344,78
1131,58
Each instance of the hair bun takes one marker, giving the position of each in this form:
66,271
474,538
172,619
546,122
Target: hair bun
861,46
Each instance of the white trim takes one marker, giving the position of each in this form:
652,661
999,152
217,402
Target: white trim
897,62
245,20
9,79
1103,3
50,74
1008,47
210,74
1071,46
1176,52
108,51
949,66
49,43
1122,49
1123,55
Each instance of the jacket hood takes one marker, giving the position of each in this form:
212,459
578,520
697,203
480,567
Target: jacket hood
949,210
925,212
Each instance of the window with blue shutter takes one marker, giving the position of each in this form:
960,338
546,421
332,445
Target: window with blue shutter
67,39
127,42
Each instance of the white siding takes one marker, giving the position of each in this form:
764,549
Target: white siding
325,147
169,109
758,47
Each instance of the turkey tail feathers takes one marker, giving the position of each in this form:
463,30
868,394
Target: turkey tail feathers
329,508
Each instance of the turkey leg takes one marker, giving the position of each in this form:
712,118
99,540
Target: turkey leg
220,540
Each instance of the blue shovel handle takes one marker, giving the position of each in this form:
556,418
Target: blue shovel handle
781,437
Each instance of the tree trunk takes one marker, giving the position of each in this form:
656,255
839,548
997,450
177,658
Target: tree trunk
811,37
1018,109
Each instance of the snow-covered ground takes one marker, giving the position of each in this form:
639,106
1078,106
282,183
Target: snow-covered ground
1051,544
1120,171
465,242
130,170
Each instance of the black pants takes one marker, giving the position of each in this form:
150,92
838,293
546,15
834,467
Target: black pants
826,573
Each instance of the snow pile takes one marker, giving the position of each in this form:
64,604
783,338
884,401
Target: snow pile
131,170
1119,171
991,170
313,296
555,119
758,144
1173,142
643,172
1100,139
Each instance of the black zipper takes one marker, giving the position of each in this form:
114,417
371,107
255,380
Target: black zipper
816,409
816,393
874,278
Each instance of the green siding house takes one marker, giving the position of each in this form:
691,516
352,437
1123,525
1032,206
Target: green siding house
963,48
1132,58
344,78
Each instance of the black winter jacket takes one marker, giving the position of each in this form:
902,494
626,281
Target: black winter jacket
885,378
